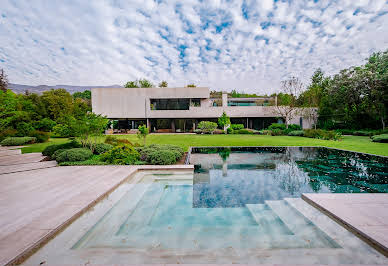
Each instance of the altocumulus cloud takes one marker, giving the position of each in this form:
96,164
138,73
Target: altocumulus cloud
248,45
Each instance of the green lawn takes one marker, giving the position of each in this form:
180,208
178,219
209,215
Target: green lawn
352,143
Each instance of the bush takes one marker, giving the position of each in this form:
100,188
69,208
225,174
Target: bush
116,141
49,150
346,131
56,153
61,130
7,133
277,132
145,152
364,132
298,133
243,131
293,127
277,126
122,154
198,131
74,155
101,148
24,129
17,141
237,126
218,131
207,127
40,136
264,132
162,157
322,134
380,138
230,130
45,124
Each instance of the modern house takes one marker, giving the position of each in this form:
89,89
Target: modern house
181,109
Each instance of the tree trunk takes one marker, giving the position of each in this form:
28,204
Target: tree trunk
383,122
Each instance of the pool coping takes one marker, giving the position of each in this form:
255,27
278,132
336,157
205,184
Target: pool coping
36,244
187,160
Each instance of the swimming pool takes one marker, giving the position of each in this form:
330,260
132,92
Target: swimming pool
239,206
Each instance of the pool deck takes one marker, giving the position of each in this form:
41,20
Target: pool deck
364,214
37,203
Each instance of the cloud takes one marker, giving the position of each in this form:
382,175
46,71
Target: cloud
249,45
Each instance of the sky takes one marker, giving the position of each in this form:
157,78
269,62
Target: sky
250,46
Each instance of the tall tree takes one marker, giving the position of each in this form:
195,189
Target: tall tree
287,107
3,81
139,83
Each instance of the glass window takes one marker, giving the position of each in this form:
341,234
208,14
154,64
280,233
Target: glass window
170,104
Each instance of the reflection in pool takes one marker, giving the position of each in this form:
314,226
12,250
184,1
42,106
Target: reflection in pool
233,177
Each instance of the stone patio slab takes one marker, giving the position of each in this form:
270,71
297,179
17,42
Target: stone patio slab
364,214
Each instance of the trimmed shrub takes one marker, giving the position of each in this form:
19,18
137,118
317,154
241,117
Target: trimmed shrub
298,133
230,130
101,148
74,155
122,154
17,141
277,126
237,126
207,127
243,131
322,134
380,138
162,157
145,152
116,141
40,136
49,150
293,127
56,153
277,132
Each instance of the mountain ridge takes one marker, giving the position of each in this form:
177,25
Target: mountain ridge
21,88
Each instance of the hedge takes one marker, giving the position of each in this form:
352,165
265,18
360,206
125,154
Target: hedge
74,155
17,141
298,133
49,150
162,157
380,138
122,154
101,148
322,134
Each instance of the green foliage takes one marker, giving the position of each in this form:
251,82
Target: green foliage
49,150
7,133
101,148
94,160
89,127
162,157
277,132
294,127
40,136
277,126
237,126
149,153
17,141
142,133
86,95
322,134
116,141
223,120
63,131
122,154
236,94
74,155
58,103
140,83
163,84
191,86
243,131
56,153
207,127
198,131
24,129
45,124
298,133
230,130
380,138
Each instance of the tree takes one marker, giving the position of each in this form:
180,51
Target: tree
58,102
163,84
3,81
139,83
287,100
142,133
224,122
89,127
191,86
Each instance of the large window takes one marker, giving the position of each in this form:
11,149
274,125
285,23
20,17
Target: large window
170,104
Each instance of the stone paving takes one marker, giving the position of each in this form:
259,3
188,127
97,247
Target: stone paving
365,214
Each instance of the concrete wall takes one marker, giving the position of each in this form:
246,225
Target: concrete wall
135,102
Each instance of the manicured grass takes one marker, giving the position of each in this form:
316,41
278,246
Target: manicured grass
38,147
351,143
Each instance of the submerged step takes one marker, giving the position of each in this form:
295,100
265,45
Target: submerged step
267,220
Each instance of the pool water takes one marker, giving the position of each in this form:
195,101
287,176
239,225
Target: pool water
233,177
240,205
